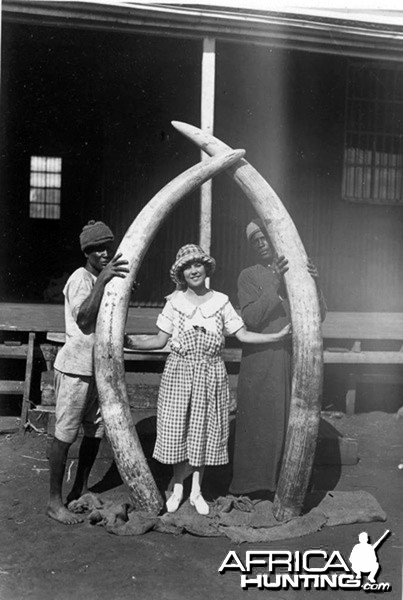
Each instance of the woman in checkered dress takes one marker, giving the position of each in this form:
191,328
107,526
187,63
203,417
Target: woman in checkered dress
192,415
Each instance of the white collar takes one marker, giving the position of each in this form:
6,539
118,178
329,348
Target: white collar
209,308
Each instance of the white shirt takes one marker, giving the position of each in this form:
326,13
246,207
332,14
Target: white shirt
77,354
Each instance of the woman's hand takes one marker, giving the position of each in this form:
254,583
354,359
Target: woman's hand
285,332
145,341
130,341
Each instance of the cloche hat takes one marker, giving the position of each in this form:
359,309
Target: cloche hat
188,254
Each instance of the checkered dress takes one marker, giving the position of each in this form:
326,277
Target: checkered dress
192,417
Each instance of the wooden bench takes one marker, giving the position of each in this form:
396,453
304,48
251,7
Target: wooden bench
372,340
16,350
356,340
349,339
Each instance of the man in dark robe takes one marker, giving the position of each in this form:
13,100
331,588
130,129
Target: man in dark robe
264,382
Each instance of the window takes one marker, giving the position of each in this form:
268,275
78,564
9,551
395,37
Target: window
373,148
45,187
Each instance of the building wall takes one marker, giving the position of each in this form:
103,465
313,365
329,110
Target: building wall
287,110
104,101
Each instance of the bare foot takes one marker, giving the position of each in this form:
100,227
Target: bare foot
61,514
75,494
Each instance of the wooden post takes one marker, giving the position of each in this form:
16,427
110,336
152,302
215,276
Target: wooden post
207,125
27,381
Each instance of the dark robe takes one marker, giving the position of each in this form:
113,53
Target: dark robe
264,385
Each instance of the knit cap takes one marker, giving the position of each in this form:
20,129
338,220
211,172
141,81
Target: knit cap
255,226
95,233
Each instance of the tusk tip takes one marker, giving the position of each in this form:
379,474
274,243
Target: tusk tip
181,126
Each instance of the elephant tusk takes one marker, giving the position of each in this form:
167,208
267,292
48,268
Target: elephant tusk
307,374
111,321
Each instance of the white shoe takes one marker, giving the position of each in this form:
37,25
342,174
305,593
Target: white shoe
173,502
200,504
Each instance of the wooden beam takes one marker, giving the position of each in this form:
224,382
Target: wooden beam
207,124
24,316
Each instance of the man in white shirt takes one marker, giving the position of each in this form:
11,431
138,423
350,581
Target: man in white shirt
76,394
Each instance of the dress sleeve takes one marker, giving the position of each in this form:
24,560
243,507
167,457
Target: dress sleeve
232,321
256,304
165,320
76,291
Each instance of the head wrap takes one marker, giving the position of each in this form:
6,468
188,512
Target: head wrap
189,254
255,226
95,233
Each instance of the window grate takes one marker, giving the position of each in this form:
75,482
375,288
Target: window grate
373,148
45,187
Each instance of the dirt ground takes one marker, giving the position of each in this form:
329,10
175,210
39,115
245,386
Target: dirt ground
41,559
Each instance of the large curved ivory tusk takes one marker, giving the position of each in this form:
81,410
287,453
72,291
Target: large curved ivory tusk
306,326
109,359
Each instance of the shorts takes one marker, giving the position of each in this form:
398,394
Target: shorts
76,405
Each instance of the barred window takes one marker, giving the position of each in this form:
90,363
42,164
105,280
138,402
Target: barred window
45,187
373,143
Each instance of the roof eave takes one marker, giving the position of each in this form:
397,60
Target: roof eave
277,30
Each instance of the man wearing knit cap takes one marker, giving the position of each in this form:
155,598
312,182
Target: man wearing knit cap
264,382
76,394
